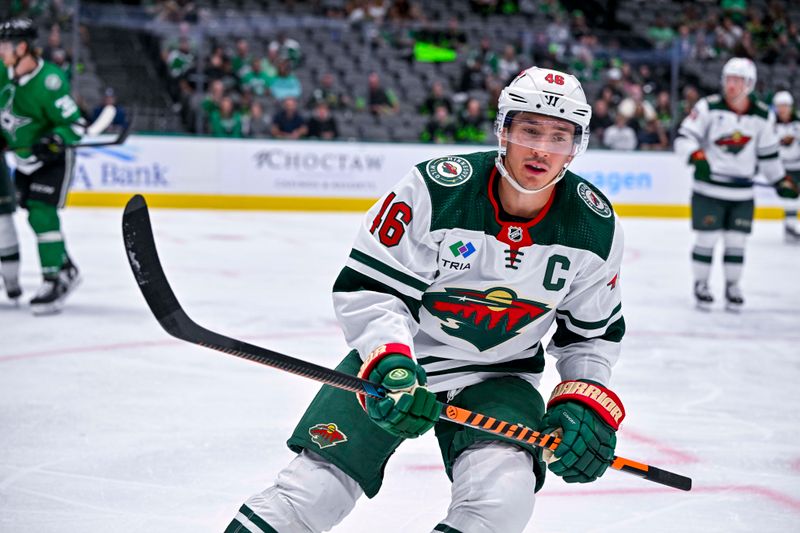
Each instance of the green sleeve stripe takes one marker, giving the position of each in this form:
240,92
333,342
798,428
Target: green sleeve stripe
564,337
257,520
590,325
385,269
351,280
773,155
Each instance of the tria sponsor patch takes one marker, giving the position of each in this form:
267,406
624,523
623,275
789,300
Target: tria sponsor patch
326,435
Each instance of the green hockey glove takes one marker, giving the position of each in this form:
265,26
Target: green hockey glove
586,416
702,170
787,189
49,148
410,409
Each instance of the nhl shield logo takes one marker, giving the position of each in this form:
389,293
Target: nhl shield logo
515,233
326,435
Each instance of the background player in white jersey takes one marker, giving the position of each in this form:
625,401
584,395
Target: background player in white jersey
455,276
726,137
788,129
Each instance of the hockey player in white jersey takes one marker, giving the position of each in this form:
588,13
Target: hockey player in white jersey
726,138
455,276
788,129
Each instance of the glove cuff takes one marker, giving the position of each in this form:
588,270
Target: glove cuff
374,358
599,399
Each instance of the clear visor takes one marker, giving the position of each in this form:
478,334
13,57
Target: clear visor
540,133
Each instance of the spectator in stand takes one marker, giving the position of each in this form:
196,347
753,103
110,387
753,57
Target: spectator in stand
242,59
661,33
646,79
636,109
435,99
256,123
613,92
653,136
684,39
474,76
440,129
381,101
322,125
215,69
405,11
120,118
288,123
287,49
227,120
213,99
663,110
60,60
619,136
690,97
508,66
485,56
181,60
601,120
728,34
285,84
471,126
177,11
256,80
328,93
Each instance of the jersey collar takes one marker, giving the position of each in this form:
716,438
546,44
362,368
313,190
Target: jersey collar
29,76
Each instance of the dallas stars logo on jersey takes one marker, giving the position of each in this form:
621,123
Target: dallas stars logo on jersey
733,143
482,318
8,120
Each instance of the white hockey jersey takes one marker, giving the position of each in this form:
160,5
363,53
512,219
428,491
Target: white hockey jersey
789,142
438,266
734,146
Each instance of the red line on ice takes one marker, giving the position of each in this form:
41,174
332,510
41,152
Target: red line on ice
677,457
145,344
772,495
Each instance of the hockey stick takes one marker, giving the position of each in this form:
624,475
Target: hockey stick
146,266
121,137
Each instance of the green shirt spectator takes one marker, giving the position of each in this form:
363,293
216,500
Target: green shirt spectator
226,121
257,81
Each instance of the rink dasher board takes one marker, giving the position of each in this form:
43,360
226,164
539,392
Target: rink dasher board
208,173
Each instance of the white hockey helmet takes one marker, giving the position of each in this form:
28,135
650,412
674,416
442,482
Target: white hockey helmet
743,68
544,92
782,98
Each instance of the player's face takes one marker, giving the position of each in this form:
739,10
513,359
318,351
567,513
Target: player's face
784,112
537,148
735,88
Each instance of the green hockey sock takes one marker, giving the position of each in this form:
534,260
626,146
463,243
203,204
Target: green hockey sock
43,219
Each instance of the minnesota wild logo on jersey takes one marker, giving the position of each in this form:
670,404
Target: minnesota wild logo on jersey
482,318
733,143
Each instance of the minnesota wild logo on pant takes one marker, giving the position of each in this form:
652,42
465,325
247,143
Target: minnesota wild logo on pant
482,318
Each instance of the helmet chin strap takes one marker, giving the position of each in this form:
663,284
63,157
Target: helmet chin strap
513,182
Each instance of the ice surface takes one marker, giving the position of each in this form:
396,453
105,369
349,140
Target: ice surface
108,424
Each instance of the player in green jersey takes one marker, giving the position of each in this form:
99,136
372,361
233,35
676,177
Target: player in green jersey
39,119
9,245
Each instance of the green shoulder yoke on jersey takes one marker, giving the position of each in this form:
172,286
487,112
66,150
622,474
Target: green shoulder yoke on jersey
581,217
756,108
457,187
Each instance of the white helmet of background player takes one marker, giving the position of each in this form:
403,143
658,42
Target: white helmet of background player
741,67
783,98
548,93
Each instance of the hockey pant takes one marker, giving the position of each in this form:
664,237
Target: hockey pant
492,492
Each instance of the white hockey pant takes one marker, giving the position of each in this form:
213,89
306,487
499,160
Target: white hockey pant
492,491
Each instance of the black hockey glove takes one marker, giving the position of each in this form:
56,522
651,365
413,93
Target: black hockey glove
49,148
